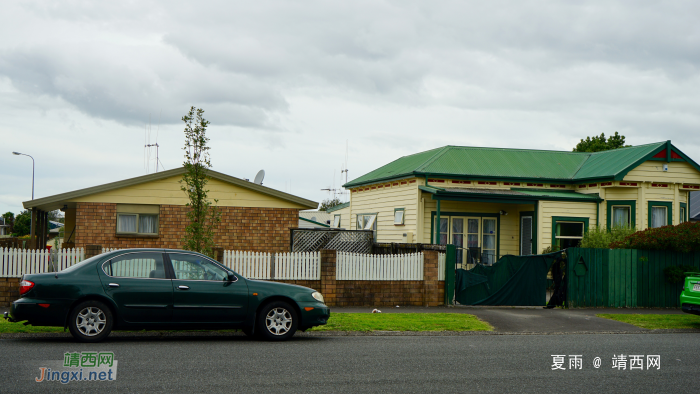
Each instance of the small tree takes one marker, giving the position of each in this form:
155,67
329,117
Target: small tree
203,216
22,224
598,144
329,203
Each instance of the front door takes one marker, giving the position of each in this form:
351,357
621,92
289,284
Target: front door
202,292
138,285
525,235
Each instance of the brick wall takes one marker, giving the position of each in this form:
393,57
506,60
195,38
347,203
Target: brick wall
9,290
241,228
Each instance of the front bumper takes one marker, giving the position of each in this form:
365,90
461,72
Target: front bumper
317,316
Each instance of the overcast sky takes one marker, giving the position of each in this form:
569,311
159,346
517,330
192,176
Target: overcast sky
286,84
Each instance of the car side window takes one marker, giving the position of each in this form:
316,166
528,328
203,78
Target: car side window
194,267
136,265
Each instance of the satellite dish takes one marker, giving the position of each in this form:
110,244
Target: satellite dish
259,178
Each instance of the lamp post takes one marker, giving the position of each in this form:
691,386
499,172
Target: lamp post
31,222
22,154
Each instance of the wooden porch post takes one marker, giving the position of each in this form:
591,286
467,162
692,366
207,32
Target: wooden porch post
32,230
437,224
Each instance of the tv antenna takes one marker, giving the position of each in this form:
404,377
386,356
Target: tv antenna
259,177
147,146
344,167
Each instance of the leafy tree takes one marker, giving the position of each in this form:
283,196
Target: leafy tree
203,216
9,221
22,224
56,216
329,203
598,144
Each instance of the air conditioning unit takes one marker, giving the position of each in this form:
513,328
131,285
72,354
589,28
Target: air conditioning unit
408,237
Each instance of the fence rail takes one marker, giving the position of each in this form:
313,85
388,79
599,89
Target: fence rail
354,266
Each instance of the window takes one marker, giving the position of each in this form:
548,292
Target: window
398,216
475,237
660,214
568,234
367,222
621,216
136,265
682,212
658,217
488,244
336,221
195,267
137,219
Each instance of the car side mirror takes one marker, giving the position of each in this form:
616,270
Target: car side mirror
231,276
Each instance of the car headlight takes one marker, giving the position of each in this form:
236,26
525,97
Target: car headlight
318,296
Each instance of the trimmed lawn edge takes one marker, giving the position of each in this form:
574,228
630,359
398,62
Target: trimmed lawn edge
656,321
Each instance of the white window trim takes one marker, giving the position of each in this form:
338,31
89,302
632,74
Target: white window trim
403,216
336,221
138,217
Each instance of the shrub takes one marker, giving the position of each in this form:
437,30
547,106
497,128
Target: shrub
684,237
600,238
676,273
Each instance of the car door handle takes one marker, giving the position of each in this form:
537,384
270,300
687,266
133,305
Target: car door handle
114,285
183,287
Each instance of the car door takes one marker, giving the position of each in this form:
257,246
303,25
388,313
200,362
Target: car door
138,284
202,292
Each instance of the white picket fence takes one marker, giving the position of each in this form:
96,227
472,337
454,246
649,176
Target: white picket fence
288,266
355,266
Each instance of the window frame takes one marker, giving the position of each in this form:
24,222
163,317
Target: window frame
683,213
568,219
617,203
109,261
216,263
403,216
468,215
339,219
138,218
669,212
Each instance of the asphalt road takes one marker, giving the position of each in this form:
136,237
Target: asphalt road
420,364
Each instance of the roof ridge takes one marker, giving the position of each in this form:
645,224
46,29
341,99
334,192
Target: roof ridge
627,147
432,158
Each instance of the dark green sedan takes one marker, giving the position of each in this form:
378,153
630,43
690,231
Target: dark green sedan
163,289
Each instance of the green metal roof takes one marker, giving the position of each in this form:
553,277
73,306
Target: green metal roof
515,164
338,207
516,195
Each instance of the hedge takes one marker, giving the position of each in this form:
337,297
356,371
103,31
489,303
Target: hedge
684,238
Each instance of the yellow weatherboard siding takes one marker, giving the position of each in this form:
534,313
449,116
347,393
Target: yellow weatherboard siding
548,209
382,201
167,192
652,171
344,217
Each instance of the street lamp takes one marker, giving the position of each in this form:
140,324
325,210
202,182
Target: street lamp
17,153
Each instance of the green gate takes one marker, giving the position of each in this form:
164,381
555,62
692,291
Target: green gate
512,280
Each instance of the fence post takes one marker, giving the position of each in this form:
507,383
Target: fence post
328,270
218,254
92,250
272,266
430,278
450,260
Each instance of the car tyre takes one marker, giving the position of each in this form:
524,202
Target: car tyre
90,321
277,321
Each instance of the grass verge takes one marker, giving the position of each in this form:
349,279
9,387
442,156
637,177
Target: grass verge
403,322
345,322
655,322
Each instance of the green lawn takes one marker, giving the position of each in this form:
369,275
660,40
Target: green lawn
7,327
656,321
346,322
403,322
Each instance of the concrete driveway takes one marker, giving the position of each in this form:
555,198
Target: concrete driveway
532,319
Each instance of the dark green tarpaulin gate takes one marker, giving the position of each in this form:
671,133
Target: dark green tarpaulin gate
512,280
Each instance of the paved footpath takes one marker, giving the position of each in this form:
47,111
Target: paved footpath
532,319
